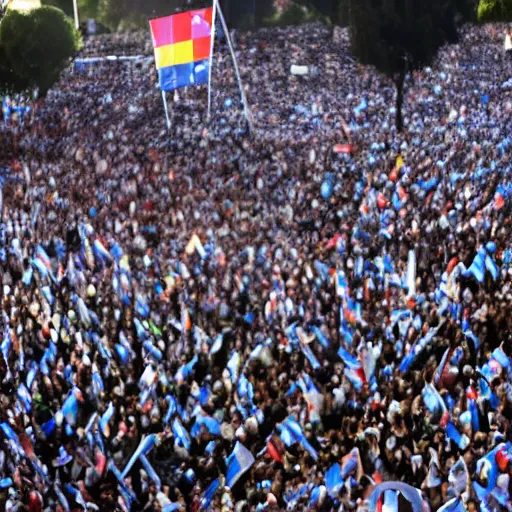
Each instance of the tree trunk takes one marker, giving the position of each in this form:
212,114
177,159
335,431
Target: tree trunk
399,101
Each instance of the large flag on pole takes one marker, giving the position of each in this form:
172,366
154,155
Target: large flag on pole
182,44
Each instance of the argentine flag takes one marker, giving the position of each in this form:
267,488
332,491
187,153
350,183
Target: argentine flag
240,461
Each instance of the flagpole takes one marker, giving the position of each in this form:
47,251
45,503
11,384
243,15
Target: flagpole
237,71
212,45
166,108
75,11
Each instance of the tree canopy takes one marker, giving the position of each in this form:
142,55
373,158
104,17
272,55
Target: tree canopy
400,36
495,10
34,48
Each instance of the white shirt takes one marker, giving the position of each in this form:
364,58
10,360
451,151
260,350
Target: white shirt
508,42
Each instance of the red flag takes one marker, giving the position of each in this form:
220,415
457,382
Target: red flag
343,148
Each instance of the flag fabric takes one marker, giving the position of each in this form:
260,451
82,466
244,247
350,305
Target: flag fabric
240,461
145,446
488,468
411,273
209,494
432,399
454,505
182,44
351,462
181,435
477,268
458,477
333,480
291,432
412,495
461,440
150,471
211,425
70,409
390,501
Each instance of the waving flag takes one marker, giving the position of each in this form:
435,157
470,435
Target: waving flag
412,495
433,400
145,446
458,477
461,440
454,505
291,432
487,467
209,494
333,480
240,461
182,48
477,268
181,435
211,425
351,462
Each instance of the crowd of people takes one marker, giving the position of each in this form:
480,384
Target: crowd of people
293,319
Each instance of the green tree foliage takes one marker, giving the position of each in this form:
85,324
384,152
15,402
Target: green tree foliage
400,36
340,12
86,8
35,48
263,10
126,14
336,11
298,14
495,10
64,5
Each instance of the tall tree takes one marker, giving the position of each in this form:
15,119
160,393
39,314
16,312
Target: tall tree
35,48
263,10
139,12
400,36
495,10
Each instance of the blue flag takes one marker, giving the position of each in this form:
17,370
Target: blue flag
333,480
240,461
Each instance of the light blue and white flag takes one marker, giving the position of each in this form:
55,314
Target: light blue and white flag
181,435
412,495
291,432
239,462
333,481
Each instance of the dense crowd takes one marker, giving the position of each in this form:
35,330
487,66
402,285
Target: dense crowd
205,319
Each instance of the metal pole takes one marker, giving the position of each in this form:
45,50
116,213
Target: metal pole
75,10
166,108
210,68
237,71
